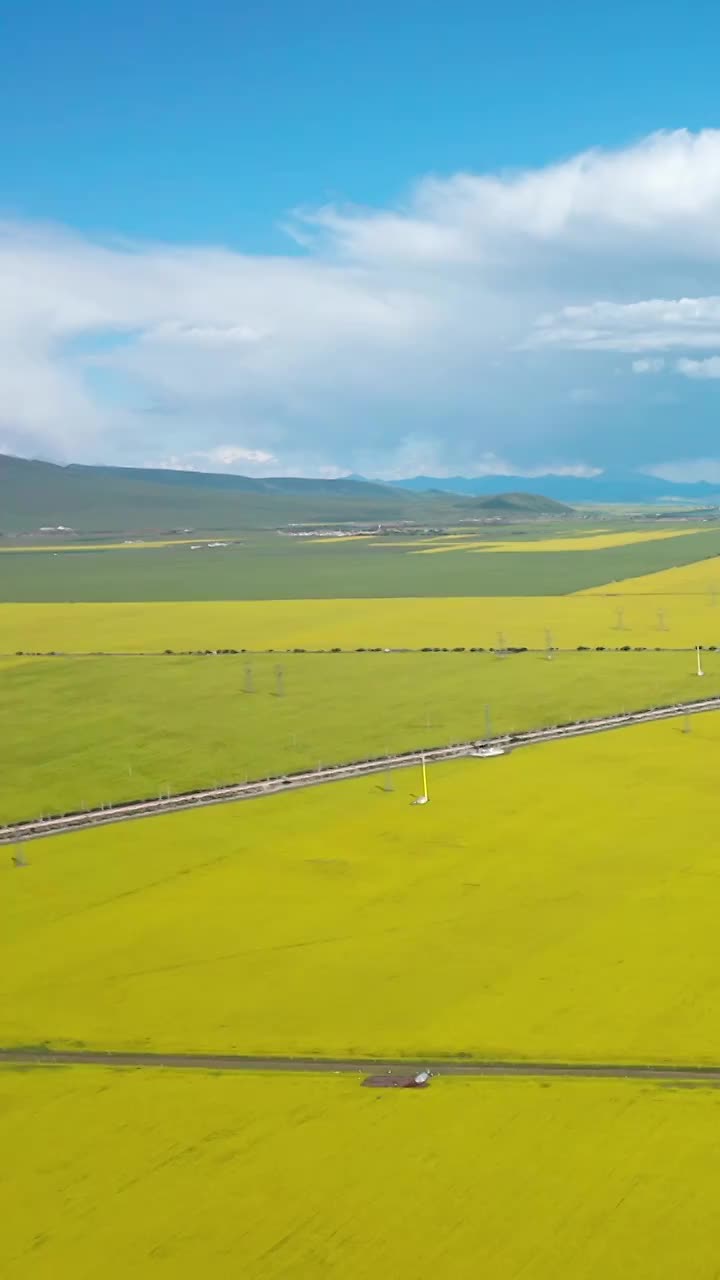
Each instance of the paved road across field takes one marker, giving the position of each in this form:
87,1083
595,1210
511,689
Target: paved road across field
15,833
668,1074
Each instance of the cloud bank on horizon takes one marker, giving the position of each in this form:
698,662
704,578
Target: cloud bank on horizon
562,319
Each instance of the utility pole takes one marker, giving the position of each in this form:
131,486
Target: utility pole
249,686
279,682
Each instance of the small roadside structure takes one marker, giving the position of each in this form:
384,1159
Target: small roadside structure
387,1080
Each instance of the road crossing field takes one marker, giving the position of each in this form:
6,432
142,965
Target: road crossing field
84,732
551,905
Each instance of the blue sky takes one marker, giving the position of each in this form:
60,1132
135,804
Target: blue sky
234,235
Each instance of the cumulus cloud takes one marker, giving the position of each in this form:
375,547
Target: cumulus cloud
228,455
653,325
585,395
663,192
651,364
428,457
476,320
222,457
494,466
688,471
709,368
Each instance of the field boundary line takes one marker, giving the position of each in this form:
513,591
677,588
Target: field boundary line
669,1073
59,824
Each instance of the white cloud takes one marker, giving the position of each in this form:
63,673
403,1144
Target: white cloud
654,325
585,395
650,364
666,188
578,470
224,457
688,471
174,331
709,368
423,337
425,457
173,463
229,455
237,462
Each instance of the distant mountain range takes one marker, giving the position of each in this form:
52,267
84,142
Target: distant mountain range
100,499
41,495
611,486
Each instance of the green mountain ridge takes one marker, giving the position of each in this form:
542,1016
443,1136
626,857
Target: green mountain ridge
102,499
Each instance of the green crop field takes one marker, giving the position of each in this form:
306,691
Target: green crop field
161,1175
557,904
90,731
273,567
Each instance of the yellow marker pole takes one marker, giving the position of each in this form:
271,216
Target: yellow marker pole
425,790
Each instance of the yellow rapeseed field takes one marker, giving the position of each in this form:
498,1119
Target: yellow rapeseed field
495,621
700,578
162,1175
559,903
581,542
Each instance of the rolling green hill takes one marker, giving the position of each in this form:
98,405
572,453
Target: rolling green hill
518,504
110,499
